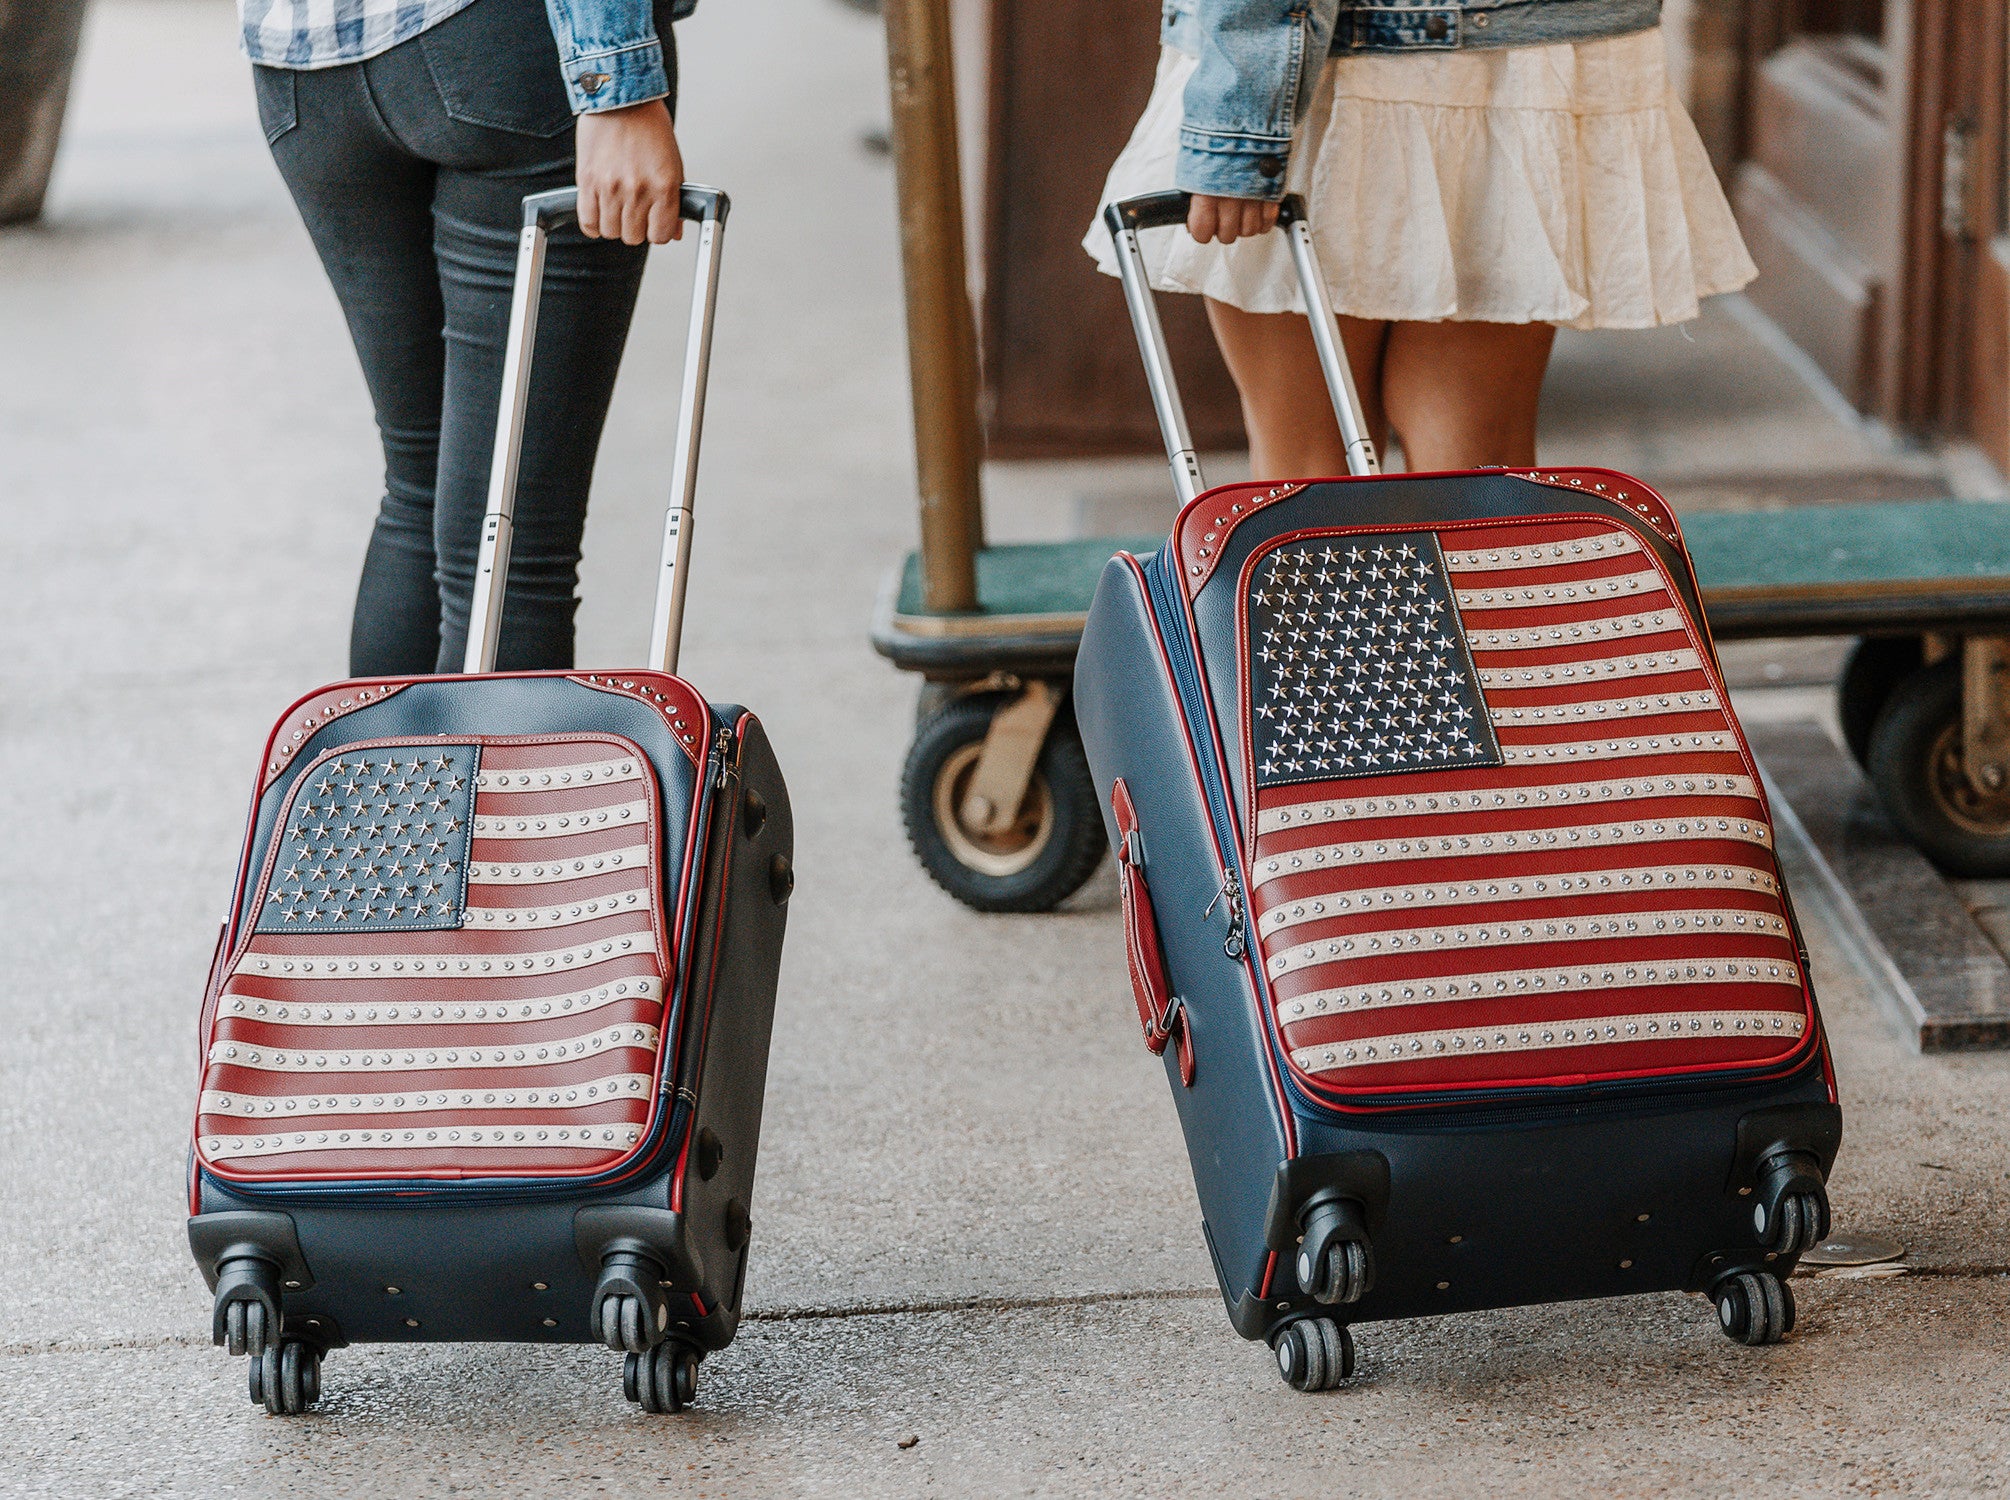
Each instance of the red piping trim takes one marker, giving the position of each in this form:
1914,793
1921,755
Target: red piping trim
668,953
1252,498
1697,632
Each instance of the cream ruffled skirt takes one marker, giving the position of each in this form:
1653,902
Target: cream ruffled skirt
1553,184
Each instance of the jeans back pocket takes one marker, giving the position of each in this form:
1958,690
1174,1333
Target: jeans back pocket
495,64
278,103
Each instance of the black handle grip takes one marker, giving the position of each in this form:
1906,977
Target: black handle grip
1157,210
560,206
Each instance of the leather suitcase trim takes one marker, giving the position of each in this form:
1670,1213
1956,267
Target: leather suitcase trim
1206,523
1161,1013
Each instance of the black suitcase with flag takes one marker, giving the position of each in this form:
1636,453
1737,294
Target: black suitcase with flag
485,1039
1449,890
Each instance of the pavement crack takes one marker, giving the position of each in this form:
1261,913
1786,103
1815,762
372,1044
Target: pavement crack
20,1348
972,1304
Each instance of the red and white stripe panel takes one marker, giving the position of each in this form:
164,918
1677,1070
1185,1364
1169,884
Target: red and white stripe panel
1604,902
525,1043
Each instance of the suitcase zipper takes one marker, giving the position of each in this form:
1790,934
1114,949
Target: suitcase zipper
1510,1107
1186,676
1232,943
723,768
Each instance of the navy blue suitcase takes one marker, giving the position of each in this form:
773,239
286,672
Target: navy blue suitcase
1449,891
486,1036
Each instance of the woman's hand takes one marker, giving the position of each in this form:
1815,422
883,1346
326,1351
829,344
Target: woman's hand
631,175
1228,219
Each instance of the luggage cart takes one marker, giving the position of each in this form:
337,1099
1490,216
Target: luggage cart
996,794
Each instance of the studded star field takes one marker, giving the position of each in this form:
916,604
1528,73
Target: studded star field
376,841
1358,665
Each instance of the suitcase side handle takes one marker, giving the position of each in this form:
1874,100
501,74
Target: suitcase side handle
1126,220
1161,1013
542,214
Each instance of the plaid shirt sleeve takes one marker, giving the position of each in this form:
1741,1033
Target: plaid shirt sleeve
609,52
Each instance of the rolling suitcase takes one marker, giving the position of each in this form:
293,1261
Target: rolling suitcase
486,1035
1449,890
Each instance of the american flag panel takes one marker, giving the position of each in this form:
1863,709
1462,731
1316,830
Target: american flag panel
1504,829
458,968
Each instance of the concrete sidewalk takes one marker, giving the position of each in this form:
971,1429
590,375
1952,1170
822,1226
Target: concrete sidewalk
975,1227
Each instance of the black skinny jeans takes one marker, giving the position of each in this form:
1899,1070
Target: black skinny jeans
409,170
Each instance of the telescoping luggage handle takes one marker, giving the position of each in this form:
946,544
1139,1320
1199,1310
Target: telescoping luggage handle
543,213
1126,220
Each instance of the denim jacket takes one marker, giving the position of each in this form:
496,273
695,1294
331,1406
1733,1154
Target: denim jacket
1260,61
610,50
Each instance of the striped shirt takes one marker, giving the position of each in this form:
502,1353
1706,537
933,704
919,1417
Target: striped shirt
328,33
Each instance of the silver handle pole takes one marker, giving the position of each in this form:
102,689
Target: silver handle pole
1185,463
1354,432
667,632
492,564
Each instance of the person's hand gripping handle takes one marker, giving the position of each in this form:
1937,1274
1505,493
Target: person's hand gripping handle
1228,219
630,172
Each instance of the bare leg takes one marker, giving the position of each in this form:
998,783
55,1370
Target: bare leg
1459,395
1292,431
1464,394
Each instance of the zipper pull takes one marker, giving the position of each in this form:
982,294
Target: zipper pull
1233,944
723,769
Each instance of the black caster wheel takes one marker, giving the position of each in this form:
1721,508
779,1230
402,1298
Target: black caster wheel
1314,1354
286,1378
1876,665
1050,849
626,1324
1336,1263
1793,1227
1755,1308
1916,766
663,1380
1343,1275
244,1328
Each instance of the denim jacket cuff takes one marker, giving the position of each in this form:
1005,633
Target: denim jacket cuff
617,78
1231,166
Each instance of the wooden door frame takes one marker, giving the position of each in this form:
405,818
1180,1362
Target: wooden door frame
1942,347
1911,373
1949,345
1989,360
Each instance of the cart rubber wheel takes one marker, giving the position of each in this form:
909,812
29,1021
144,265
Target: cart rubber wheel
1915,764
933,698
1876,665
1036,864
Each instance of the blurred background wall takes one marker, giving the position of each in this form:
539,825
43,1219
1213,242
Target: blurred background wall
1862,141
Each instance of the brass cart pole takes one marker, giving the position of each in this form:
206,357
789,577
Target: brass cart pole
941,329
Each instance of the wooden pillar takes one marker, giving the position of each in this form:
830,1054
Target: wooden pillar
941,327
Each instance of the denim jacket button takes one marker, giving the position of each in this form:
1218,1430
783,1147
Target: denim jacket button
1270,166
1437,28
593,83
